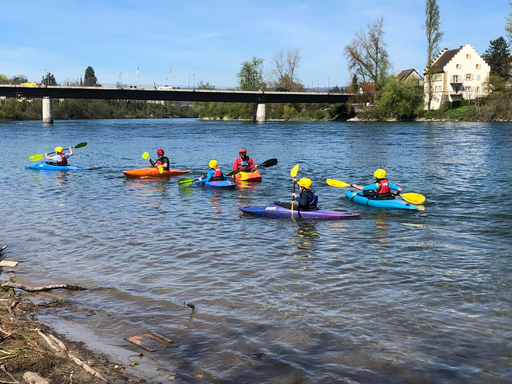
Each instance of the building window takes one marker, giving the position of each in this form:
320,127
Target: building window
458,66
437,77
467,89
468,55
478,66
469,76
478,89
455,78
478,77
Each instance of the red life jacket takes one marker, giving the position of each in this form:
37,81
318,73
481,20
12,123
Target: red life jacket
384,187
63,160
218,173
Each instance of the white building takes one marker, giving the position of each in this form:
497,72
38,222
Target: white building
458,74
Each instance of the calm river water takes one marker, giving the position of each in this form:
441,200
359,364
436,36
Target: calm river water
392,297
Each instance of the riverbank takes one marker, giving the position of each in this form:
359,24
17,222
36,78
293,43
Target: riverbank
32,352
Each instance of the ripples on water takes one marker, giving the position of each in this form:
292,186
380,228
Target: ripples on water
392,297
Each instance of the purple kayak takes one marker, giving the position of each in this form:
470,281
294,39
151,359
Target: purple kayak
276,211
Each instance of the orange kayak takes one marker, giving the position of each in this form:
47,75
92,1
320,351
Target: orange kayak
248,176
153,172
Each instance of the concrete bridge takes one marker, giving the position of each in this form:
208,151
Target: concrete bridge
258,98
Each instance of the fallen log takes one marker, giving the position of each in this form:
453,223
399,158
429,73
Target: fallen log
5,263
45,288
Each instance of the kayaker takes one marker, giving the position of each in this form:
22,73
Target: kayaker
163,161
243,158
60,159
381,188
307,200
214,174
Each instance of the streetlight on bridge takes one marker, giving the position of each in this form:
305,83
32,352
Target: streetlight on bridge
188,81
121,77
318,85
328,85
194,81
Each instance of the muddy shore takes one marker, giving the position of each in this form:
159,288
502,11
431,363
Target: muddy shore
32,351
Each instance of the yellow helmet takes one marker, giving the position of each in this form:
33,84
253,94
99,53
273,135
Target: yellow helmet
213,163
380,174
305,183
58,149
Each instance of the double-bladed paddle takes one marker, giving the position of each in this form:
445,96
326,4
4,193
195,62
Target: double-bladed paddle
39,156
293,174
185,181
145,155
411,197
268,163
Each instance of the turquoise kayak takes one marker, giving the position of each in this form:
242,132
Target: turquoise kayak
396,203
217,184
49,167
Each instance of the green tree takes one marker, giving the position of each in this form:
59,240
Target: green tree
498,57
432,24
367,55
90,78
400,99
354,86
203,85
17,80
50,79
250,76
3,79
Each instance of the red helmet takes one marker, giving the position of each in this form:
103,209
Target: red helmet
160,152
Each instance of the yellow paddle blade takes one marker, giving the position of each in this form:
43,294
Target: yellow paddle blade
36,157
294,171
337,183
145,155
414,198
160,168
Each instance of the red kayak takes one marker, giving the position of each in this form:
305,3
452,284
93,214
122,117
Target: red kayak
154,172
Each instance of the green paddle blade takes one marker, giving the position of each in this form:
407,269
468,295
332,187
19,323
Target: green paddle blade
294,171
232,173
184,181
145,155
269,163
80,145
36,157
413,198
337,183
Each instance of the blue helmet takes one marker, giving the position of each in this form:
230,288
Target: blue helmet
244,164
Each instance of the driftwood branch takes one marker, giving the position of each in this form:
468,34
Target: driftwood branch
45,288
80,363
14,381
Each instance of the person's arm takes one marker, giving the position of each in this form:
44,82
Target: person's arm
151,162
252,165
70,151
48,157
165,163
236,164
210,174
359,187
395,187
372,187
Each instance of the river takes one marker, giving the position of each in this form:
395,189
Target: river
392,297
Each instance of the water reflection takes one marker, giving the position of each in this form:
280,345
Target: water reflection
306,234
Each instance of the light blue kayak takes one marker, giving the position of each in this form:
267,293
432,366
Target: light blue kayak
396,203
49,167
217,184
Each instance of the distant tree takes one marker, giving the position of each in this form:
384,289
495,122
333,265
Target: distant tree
367,55
250,77
432,24
400,99
498,57
70,82
90,78
335,89
284,70
49,79
17,80
3,79
354,86
202,85
508,27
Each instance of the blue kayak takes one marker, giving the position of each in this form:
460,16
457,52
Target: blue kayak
217,184
396,203
276,211
49,167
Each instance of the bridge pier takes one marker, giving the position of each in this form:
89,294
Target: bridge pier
259,113
47,110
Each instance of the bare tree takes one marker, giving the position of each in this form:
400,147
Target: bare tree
284,67
508,27
434,36
367,55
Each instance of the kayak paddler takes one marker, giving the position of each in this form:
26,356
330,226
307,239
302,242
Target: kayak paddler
60,159
381,188
306,201
163,161
214,174
243,158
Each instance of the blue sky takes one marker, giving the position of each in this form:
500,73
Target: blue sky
212,38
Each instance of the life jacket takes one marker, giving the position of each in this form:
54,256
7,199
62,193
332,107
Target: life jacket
218,175
63,160
384,187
